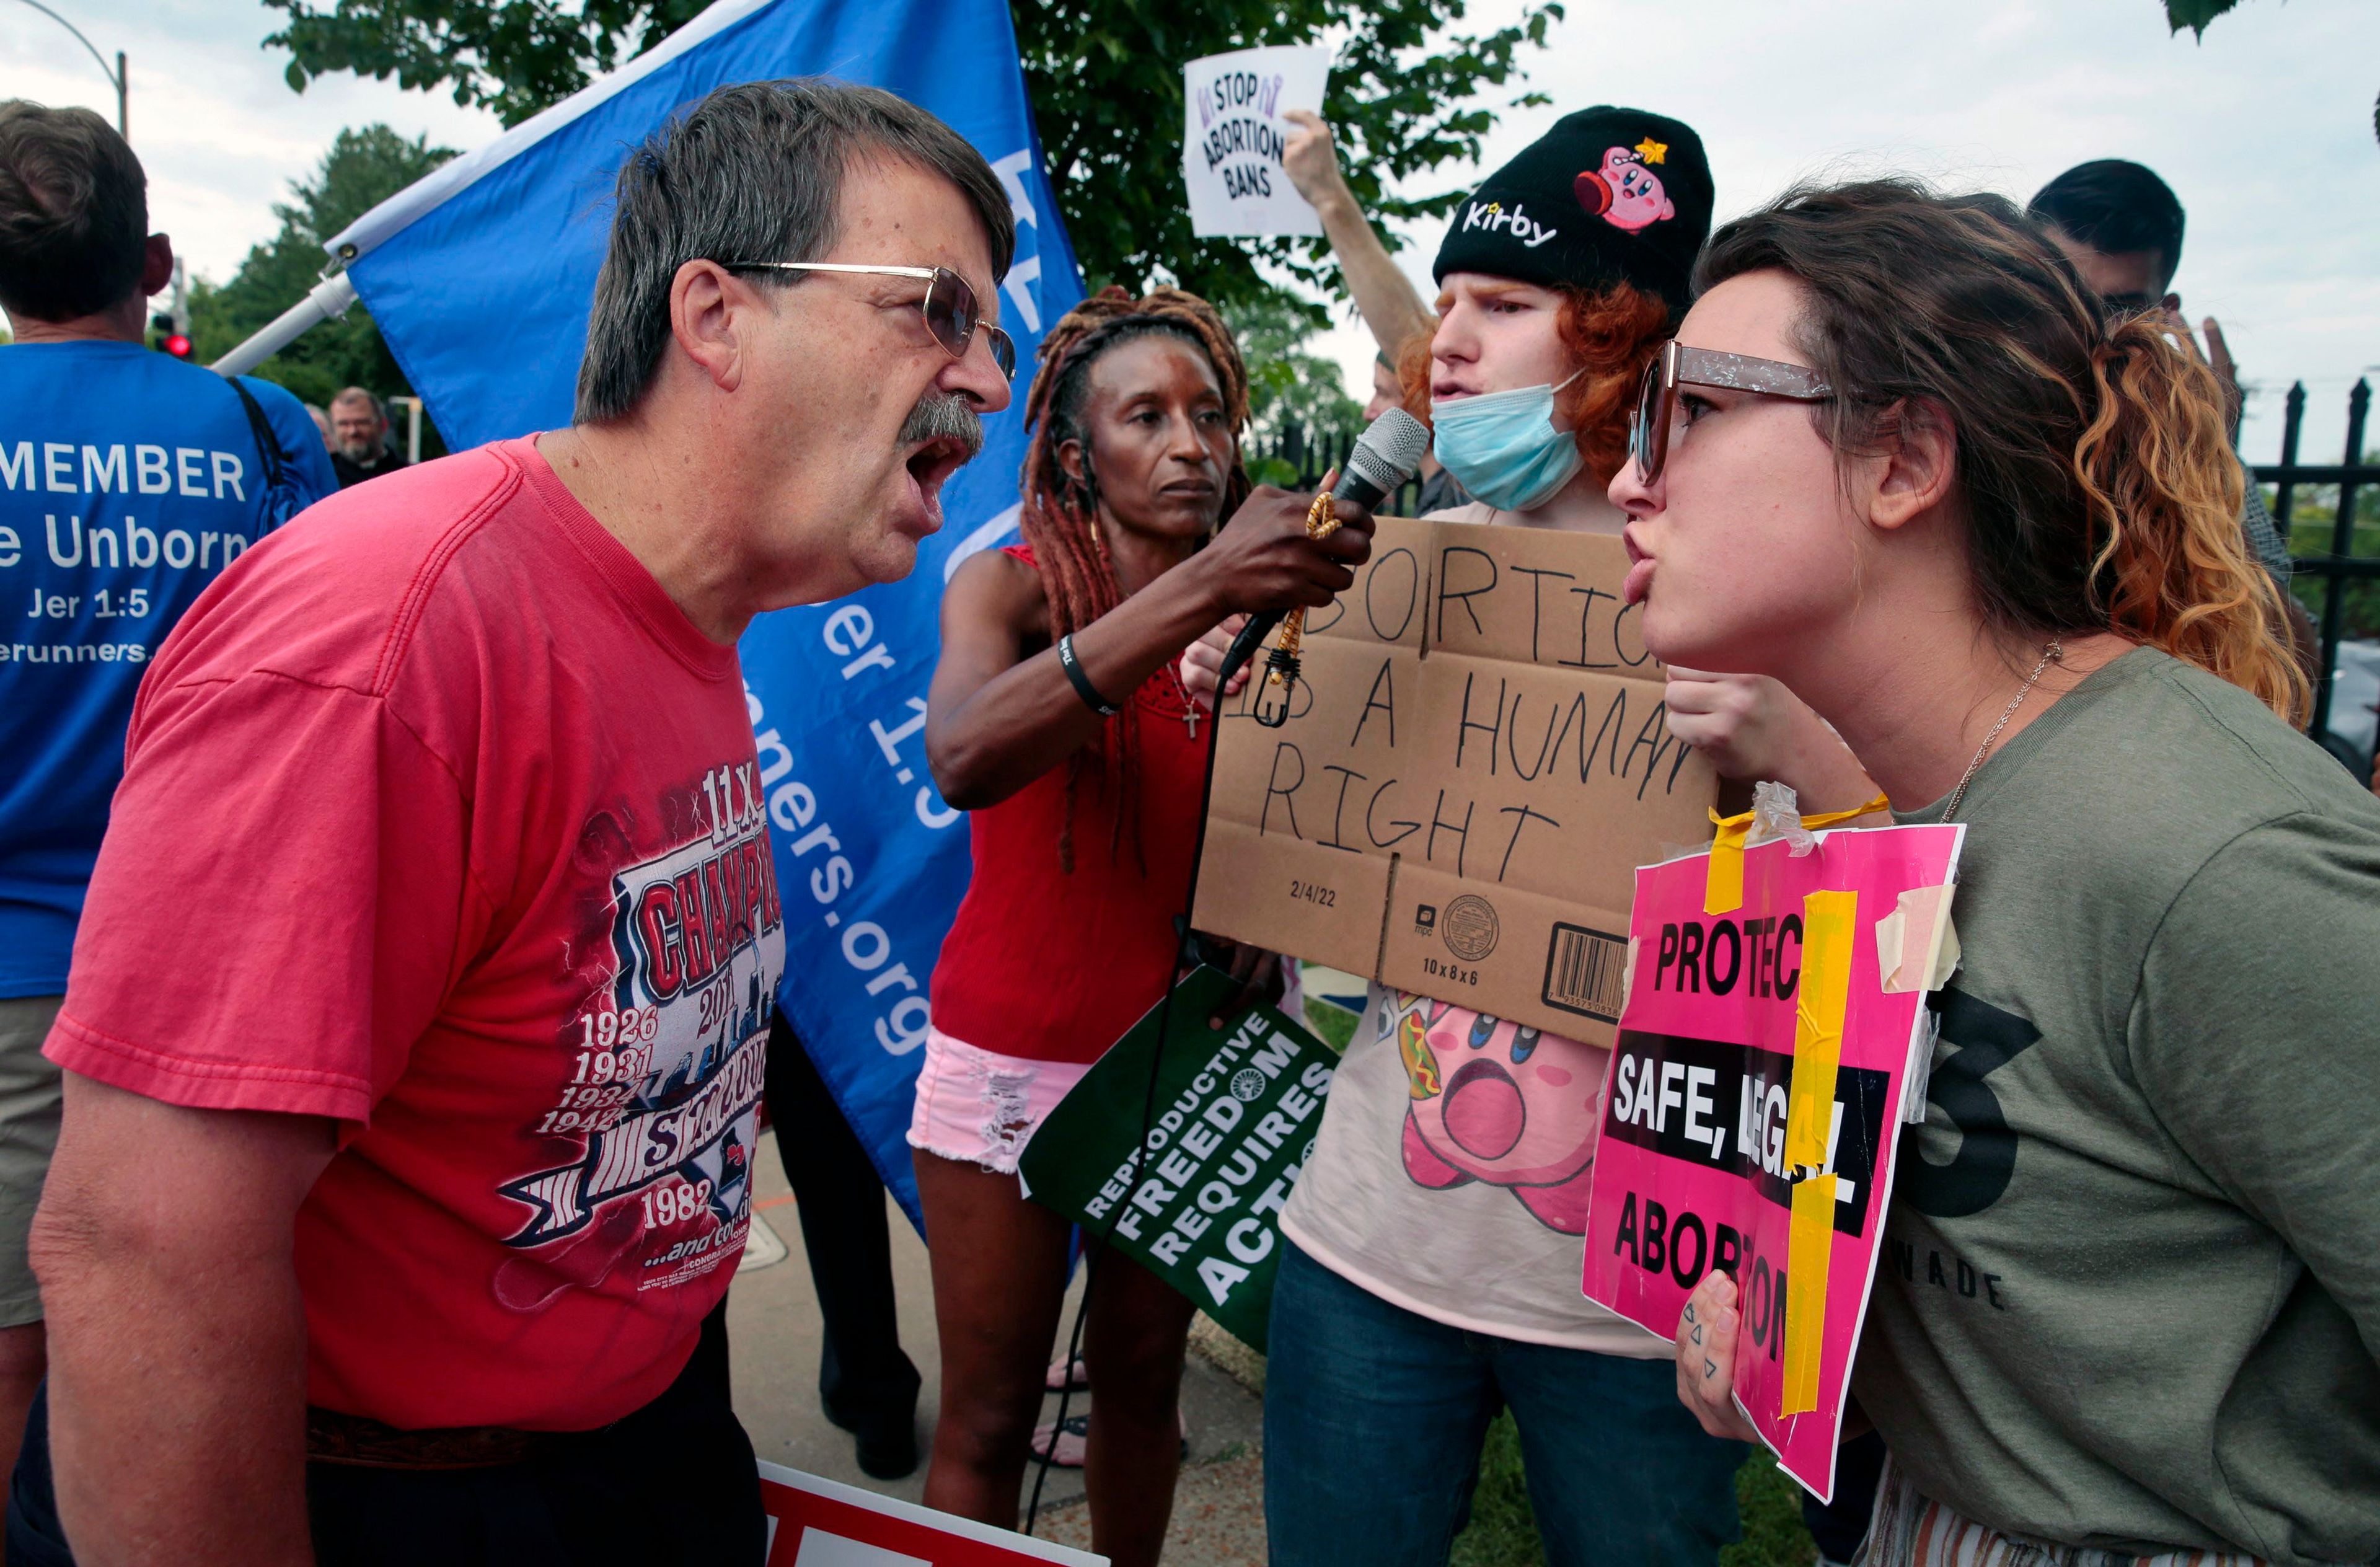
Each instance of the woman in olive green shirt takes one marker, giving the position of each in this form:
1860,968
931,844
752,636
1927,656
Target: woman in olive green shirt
2131,1288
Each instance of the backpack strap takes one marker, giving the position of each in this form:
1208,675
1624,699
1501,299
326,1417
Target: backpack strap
273,458
281,500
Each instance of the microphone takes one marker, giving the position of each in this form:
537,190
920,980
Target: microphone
1386,455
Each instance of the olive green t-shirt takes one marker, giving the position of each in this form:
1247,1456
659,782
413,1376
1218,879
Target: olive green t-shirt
2131,1291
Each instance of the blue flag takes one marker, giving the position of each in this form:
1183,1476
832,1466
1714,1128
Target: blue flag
480,278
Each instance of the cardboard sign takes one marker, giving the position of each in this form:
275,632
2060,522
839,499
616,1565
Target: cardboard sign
1751,1110
1234,1119
816,1522
1232,134
1478,758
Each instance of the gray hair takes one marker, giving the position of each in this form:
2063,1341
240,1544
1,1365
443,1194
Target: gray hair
752,173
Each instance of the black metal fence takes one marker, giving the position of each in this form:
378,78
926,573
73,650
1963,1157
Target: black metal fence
1313,454
2340,564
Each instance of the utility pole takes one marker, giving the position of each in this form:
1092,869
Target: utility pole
116,78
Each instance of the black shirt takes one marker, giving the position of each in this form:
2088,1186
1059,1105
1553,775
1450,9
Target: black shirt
352,472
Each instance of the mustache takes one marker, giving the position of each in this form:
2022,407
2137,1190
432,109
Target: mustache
944,416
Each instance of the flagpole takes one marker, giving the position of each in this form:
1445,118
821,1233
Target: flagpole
327,300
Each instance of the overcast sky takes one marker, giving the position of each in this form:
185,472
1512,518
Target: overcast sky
2264,130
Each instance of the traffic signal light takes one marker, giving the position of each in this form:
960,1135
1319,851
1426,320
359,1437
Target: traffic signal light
170,337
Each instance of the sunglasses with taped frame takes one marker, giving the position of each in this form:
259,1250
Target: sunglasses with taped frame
1677,365
952,310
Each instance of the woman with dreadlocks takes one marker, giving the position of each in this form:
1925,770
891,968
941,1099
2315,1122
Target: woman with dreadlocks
1058,720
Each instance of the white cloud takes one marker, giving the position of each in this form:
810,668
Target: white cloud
2265,129
216,127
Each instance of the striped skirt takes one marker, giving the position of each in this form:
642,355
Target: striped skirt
1911,1529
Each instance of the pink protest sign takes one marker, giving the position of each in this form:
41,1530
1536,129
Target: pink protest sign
1775,1005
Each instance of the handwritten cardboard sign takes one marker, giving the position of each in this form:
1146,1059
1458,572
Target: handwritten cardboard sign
1232,134
1754,1094
818,1523
1478,758
1234,1117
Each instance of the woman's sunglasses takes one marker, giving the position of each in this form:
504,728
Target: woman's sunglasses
1677,365
953,312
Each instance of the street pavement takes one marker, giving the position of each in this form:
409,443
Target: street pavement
773,1331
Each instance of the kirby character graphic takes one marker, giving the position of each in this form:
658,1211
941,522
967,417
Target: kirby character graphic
1498,1102
1626,193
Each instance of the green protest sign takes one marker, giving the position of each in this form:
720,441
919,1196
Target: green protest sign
1236,1113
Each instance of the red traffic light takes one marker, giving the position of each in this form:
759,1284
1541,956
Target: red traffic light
178,345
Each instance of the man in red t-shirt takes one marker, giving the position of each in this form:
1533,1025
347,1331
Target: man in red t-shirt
414,1040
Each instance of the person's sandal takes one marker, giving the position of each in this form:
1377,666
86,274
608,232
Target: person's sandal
1074,1441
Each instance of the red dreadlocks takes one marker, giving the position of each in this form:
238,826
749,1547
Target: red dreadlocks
1060,515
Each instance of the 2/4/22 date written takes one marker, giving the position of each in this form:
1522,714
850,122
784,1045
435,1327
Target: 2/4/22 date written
1320,897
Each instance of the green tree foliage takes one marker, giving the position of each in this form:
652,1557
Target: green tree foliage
1287,386
2194,14
1104,76
362,169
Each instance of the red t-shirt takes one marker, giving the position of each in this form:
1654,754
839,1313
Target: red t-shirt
1055,966
440,818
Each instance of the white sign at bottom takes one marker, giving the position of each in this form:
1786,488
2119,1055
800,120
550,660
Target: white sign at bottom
820,1523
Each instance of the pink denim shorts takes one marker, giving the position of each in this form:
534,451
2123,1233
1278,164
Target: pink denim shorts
980,1107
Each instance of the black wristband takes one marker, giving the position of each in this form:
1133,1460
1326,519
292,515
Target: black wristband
1081,682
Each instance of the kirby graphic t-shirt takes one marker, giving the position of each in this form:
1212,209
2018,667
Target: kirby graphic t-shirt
1450,1174
439,819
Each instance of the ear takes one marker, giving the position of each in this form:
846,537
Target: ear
156,265
1914,476
2172,304
712,313
1071,458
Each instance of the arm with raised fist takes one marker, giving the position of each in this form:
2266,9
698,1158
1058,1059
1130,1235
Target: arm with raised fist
1384,297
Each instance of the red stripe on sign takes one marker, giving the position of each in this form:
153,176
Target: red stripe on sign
820,1523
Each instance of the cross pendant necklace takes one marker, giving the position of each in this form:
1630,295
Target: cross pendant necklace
1189,708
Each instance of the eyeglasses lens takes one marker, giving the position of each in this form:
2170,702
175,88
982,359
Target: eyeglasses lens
950,312
953,314
1644,443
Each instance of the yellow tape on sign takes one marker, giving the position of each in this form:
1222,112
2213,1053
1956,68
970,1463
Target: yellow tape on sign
1809,1247
1829,930
1723,882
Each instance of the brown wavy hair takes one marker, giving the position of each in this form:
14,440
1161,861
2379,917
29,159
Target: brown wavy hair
1059,516
2093,464
1613,332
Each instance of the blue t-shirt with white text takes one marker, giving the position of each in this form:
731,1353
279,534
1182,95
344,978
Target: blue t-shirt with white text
128,481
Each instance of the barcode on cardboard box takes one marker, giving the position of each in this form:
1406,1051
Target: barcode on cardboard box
1586,972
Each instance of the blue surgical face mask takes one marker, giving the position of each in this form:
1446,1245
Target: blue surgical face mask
1503,446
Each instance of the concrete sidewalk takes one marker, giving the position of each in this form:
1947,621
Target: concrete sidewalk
773,1331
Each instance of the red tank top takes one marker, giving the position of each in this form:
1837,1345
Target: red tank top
1055,966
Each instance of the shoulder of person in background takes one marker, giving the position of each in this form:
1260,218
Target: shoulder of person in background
1441,492
303,453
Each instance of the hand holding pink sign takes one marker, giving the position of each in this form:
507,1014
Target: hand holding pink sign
1776,1002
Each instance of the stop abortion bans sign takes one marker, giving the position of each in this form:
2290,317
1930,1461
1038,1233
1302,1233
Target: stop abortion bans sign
816,1522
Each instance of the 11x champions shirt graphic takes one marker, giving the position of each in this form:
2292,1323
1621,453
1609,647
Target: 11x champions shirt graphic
667,1068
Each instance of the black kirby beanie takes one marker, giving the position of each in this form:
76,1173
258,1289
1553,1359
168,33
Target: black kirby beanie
1607,196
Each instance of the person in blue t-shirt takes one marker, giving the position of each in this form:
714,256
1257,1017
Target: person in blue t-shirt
128,481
